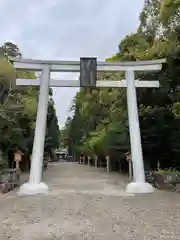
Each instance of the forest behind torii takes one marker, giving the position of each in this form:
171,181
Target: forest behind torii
99,125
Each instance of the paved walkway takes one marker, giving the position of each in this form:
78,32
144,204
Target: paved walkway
84,203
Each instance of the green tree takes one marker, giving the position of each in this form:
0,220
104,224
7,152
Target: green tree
99,124
18,111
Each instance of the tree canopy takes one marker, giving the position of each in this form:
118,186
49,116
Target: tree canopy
18,109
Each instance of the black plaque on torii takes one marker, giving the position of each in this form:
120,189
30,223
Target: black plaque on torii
88,72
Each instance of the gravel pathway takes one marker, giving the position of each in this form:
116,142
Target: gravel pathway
84,203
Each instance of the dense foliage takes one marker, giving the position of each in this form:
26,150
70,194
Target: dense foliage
99,125
18,111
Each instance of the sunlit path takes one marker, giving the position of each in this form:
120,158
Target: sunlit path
78,179
86,203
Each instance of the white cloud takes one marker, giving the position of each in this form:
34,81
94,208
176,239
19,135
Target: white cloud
66,29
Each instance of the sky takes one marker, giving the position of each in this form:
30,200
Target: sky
67,30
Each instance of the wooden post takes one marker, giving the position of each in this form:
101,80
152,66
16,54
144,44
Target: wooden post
158,166
96,161
89,158
17,163
129,159
120,167
108,163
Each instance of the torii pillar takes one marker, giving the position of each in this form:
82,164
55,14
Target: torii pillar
34,185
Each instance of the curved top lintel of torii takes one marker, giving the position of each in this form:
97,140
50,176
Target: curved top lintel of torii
99,63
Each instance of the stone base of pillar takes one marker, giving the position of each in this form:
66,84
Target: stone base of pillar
139,187
33,189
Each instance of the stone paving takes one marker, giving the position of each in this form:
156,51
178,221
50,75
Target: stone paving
86,203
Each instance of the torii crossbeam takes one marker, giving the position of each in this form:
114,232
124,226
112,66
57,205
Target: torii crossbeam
35,186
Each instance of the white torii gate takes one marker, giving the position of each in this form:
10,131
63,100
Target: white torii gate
34,185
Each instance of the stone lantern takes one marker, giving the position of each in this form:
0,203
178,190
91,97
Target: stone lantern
18,157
